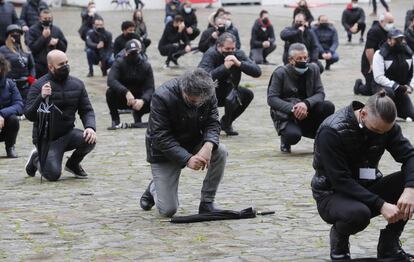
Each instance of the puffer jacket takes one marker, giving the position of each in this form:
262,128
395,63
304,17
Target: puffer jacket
11,102
353,150
213,63
8,16
175,129
31,10
69,96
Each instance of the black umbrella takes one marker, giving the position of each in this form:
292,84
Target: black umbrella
46,113
219,215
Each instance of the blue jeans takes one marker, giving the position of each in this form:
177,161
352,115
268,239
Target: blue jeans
94,57
334,58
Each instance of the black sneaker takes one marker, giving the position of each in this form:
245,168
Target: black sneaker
327,67
389,247
115,125
284,148
361,40
339,245
207,207
30,164
90,74
228,129
139,125
76,169
357,84
147,200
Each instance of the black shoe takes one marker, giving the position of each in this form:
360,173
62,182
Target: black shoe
328,67
358,83
284,148
31,167
76,169
147,200
361,40
228,129
11,152
90,74
389,247
208,207
339,245
115,125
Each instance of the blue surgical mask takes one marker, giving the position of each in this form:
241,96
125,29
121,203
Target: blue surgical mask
301,70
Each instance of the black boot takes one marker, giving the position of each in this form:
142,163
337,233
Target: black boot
339,245
31,166
147,200
357,84
285,148
389,247
228,128
11,152
76,169
207,207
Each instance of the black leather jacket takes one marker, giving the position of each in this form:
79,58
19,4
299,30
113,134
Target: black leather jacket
174,129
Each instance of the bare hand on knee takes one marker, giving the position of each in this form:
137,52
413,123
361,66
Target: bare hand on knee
406,203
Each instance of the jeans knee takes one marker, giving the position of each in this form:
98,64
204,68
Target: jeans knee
221,151
52,175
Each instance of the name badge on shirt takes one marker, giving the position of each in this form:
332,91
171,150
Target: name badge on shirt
367,173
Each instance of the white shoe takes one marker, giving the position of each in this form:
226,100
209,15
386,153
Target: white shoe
408,119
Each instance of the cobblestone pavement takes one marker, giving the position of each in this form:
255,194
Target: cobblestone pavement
99,219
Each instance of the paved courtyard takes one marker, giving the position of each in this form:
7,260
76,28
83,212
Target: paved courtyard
99,219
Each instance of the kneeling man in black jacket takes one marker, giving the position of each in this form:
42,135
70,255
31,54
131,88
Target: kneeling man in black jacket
348,187
131,84
183,131
69,96
296,98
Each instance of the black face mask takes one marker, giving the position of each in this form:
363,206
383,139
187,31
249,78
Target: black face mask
265,21
61,74
100,30
301,64
36,2
398,48
130,36
297,25
47,23
225,54
133,58
324,25
16,39
138,19
221,29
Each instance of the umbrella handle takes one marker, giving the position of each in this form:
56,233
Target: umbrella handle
47,100
264,213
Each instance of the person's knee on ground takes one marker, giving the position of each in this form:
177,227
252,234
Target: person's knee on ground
357,220
52,173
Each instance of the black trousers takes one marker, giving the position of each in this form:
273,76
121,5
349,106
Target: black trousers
404,106
258,55
8,133
172,51
115,102
374,5
139,4
295,129
231,113
351,216
361,28
196,32
73,140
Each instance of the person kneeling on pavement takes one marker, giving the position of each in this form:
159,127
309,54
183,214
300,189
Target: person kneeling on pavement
11,105
392,67
131,85
69,95
296,98
348,187
183,131
226,64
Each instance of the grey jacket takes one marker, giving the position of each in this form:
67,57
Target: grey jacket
282,93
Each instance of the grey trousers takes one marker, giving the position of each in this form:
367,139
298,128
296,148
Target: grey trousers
258,55
166,176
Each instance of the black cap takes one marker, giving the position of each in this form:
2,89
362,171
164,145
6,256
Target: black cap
132,45
14,28
395,33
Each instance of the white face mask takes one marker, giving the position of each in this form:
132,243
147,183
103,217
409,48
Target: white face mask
187,10
389,27
228,23
354,5
92,10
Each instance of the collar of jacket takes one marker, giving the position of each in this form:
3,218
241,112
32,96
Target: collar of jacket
355,105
